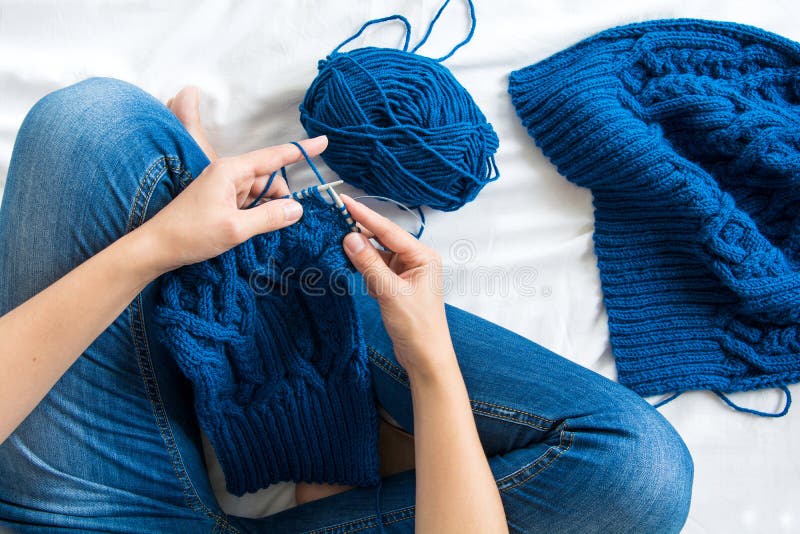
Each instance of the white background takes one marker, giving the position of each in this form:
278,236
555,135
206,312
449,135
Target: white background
254,60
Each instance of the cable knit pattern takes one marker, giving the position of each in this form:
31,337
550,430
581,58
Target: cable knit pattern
688,134
270,338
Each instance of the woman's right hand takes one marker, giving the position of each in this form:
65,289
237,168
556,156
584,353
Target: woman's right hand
455,487
407,283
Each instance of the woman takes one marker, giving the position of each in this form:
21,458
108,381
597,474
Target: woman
108,189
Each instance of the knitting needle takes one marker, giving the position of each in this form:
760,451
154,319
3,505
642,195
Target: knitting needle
342,208
297,195
304,192
335,196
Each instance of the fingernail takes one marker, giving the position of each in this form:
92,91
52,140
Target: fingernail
292,210
354,242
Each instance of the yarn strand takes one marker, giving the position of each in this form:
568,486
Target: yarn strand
369,23
473,23
667,400
313,168
738,408
283,174
308,160
420,217
263,192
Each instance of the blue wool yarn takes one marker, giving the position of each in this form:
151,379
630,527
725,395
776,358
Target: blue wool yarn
399,125
688,134
269,336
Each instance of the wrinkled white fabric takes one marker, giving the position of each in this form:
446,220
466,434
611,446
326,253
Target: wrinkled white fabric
520,255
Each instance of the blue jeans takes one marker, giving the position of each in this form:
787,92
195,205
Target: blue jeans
115,445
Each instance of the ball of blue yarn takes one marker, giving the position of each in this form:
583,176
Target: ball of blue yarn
400,125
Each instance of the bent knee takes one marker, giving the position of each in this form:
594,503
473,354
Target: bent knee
87,115
91,94
650,473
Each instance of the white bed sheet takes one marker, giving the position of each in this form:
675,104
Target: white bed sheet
254,60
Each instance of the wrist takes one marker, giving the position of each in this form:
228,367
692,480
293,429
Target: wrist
147,256
431,364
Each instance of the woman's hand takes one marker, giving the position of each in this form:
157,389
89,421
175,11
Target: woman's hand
407,285
455,488
207,218
203,221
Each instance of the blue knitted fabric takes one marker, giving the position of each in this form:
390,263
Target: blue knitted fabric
270,338
688,134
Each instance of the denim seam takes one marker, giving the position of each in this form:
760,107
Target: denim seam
130,226
400,375
485,409
541,463
394,371
364,523
166,162
146,186
532,420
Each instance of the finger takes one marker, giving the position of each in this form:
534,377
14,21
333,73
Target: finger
383,246
363,230
380,279
266,160
277,189
270,216
388,233
383,250
386,255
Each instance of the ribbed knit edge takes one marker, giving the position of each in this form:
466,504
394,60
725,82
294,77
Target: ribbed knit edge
576,94
272,441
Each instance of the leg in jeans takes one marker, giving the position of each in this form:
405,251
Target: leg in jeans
571,450
115,445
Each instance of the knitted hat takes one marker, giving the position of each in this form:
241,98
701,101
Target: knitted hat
270,338
688,134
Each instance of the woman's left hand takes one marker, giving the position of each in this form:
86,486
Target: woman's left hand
208,217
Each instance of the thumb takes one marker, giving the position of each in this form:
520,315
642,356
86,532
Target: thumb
271,216
378,276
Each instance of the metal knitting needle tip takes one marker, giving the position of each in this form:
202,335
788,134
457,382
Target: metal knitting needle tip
328,185
342,208
304,192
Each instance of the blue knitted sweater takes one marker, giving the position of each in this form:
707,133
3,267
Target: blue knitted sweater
269,336
688,134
